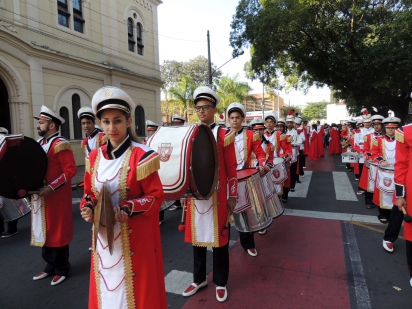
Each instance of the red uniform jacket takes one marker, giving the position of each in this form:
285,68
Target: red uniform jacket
141,190
334,143
306,149
313,148
403,172
253,144
320,142
345,134
227,188
61,168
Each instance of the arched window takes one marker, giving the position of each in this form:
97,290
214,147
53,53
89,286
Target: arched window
139,120
77,127
131,40
65,127
139,39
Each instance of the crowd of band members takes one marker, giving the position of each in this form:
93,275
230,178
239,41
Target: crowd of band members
114,159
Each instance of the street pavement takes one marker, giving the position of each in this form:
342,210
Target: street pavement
324,252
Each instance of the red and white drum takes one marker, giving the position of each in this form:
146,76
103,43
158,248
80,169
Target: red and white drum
279,171
373,169
385,179
13,209
188,160
250,214
350,157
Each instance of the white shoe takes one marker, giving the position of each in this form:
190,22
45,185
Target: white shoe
192,289
388,246
360,192
410,282
252,252
304,167
57,279
41,275
262,232
221,293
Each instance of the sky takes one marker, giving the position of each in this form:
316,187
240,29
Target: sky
182,28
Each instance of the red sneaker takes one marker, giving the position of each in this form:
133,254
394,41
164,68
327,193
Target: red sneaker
221,293
388,246
252,252
192,289
41,275
57,279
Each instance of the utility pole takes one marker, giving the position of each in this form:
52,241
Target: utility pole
278,105
263,101
209,61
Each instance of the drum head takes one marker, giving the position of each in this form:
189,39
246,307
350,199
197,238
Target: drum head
204,171
22,167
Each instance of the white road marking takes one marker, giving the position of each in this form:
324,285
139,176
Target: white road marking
301,189
331,215
361,289
177,281
343,187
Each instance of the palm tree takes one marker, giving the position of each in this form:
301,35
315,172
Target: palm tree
232,90
169,106
183,93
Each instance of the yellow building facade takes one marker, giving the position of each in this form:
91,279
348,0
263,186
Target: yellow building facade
59,52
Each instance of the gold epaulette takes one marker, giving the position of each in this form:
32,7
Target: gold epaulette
290,139
63,145
87,165
256,137
282,137
399,136
229,138
374,142
147,168
365,138
104,140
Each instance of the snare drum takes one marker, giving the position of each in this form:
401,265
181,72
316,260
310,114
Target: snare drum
350,157
279,171
13,209
179,172
385,179
273,206
249,214
373,169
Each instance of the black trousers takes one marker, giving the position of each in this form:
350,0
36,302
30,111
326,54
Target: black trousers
285,194
293,176
161,215
394,225
220,264
11,226
409,256
368,198
384,213
303,160
247,240
57,259
360,173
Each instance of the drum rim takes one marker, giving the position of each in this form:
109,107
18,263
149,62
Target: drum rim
245,169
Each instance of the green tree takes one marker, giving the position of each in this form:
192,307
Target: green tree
360,48
232,90
315,111
183,93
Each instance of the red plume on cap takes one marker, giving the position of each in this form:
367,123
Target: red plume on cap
291,112
222,117
364,111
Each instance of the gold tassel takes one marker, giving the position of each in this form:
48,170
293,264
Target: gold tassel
103,141
62,146
229,139
142,171
290,139
256,137
282,137
374,142
399,136
87,165
365,138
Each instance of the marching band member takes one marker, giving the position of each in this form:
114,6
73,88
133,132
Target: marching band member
52,223
151,128
320,139
369,138
383,153
246,142
95,138
177,120
301,133
313,146
403,185
306,131
357,146
258,126
344,134
296,141
359,139
334,140
206,219
131,276
285,151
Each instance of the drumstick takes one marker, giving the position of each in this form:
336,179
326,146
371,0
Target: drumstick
407,218
23,193
181,227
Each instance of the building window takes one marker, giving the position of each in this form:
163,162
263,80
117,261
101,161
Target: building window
131,40
63,12
65,127
139,39
140,121
78,20
77,127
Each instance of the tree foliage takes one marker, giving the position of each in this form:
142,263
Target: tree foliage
182,94
196,68
285,111
359,48
315,111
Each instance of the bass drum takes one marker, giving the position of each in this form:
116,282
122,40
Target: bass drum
250,214
188,160
13,209
23,166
